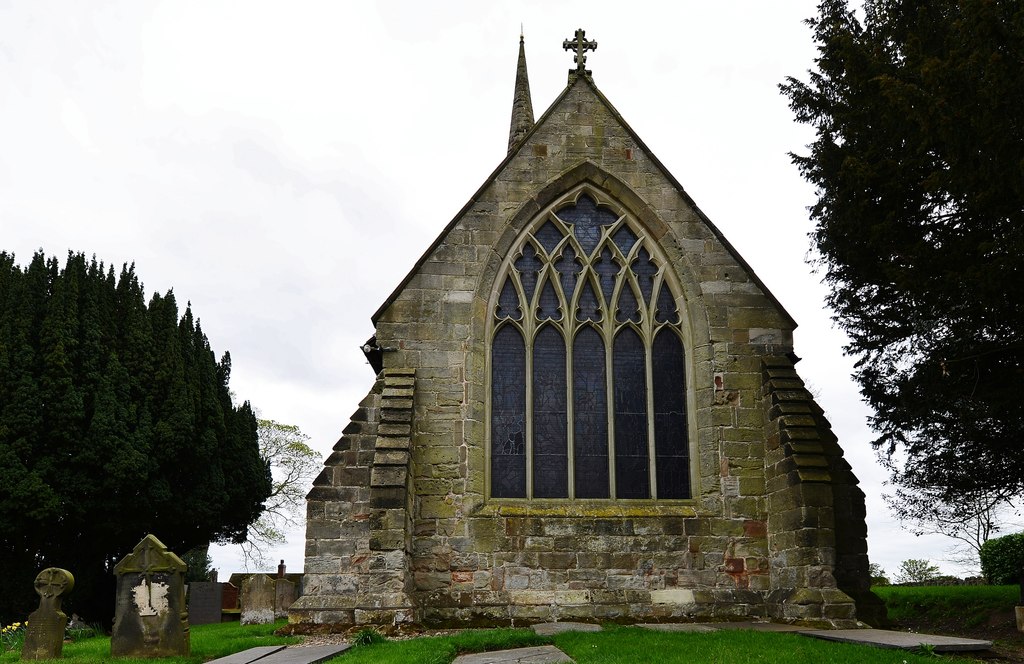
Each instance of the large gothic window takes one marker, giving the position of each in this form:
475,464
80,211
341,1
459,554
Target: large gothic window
588,389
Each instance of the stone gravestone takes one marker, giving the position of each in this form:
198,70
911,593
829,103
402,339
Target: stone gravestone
150,618
259,594
44,638
284,597
204,602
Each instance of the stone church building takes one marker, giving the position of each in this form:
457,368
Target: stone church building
586,408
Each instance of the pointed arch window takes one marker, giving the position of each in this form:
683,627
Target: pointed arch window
588,367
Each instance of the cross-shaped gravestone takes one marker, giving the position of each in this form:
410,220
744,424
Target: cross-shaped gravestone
580,44
44,638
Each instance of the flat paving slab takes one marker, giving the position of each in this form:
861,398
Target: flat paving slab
300,655
698,628
247,656
536,655
757,626
283,655
883,638
550,629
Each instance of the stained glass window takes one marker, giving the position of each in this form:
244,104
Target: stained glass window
508,414
672,453
587,220
629,381
508,302
589,354
590,426
548,305
568,267
528,266
645,269
550,440
549,236
628,309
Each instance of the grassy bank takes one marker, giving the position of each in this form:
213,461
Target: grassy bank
973,605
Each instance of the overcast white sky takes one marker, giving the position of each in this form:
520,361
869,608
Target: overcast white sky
282,165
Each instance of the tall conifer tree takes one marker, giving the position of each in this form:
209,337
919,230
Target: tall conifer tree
116,420
919,168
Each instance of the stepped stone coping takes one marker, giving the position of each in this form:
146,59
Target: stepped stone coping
884,638
283,655
535,655
552,628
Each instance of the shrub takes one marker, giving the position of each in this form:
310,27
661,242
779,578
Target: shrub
368,636
1002,559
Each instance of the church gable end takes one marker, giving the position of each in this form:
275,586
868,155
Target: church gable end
586,411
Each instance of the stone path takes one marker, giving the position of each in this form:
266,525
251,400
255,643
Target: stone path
247,656
535,655
879,638
883,638
283,655
678,627
550,629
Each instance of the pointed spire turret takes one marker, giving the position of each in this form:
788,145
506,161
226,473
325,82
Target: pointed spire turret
522,106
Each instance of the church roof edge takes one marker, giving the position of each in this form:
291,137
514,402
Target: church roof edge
573,81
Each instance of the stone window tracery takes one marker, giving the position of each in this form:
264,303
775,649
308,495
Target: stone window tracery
588,387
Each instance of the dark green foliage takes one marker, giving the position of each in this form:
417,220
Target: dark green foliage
199,564
919,170
115,421
1002,559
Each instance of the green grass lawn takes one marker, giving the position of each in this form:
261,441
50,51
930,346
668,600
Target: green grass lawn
971,604
208,642
633,645
616,644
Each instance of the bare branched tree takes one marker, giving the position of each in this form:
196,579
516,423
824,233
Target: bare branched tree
293,464
971,519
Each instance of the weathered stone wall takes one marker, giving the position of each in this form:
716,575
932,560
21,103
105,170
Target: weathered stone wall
755,529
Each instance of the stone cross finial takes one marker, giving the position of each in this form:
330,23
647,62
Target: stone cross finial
580,44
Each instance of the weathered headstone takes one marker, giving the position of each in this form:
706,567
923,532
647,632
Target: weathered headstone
44,638
204,602
284,597
150,618
259,594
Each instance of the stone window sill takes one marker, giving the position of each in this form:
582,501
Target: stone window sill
589,509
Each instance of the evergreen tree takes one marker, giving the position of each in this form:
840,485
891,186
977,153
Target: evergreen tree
116,420
919,168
